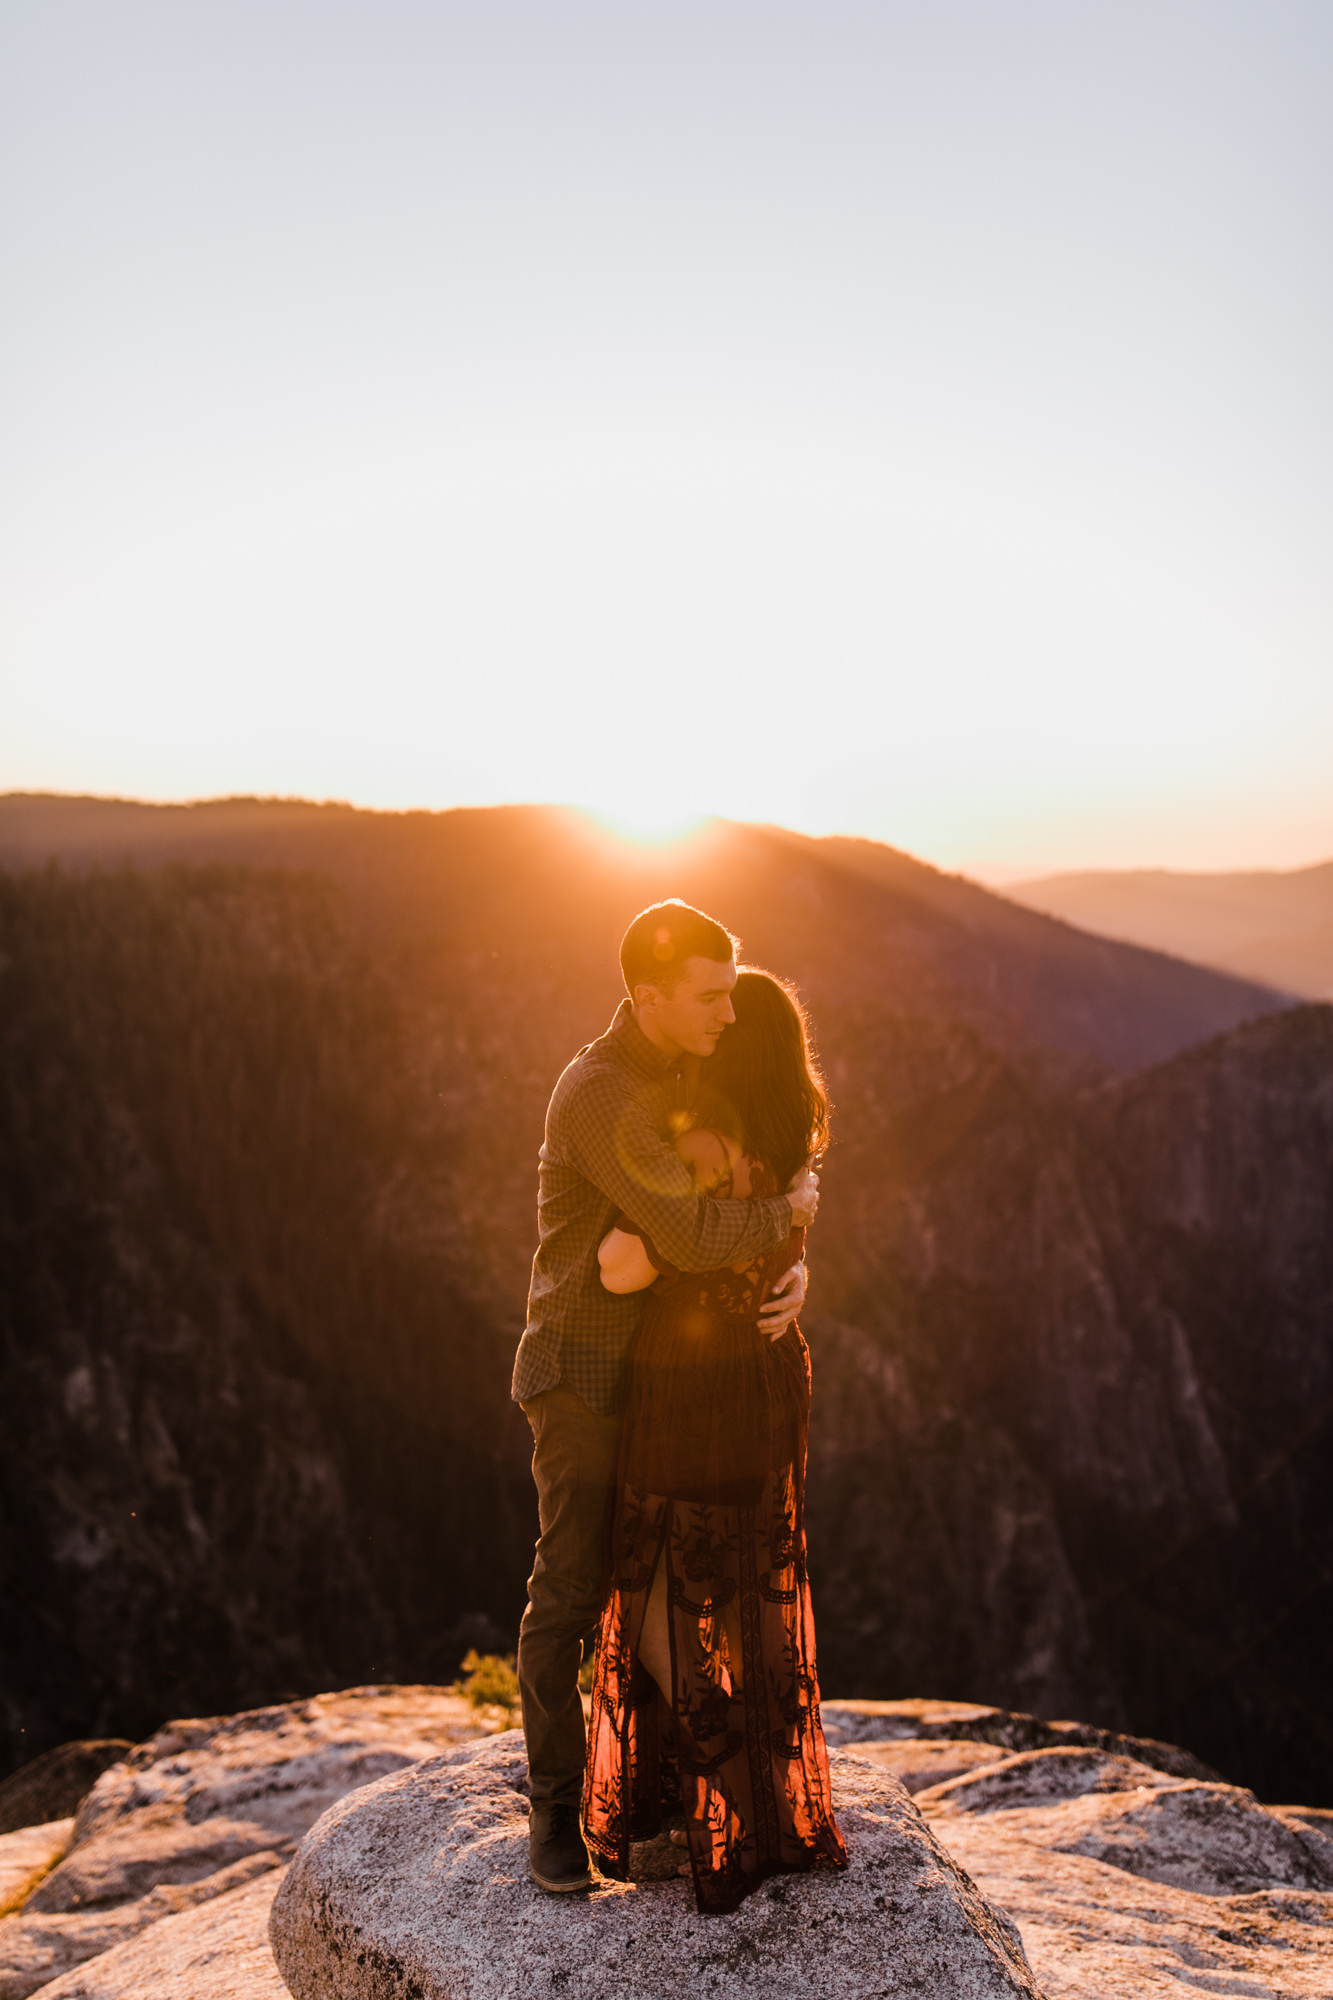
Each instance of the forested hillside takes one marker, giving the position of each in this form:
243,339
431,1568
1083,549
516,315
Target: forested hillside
268,1153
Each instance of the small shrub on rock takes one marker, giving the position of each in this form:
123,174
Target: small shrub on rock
489,1680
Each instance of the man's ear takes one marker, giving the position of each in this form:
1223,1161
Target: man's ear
647,996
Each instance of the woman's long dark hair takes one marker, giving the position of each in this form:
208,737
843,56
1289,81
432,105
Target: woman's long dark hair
763,1085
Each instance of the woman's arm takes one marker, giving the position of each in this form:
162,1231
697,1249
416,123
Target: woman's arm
624,1261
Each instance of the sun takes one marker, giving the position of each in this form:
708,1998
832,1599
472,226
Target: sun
648,827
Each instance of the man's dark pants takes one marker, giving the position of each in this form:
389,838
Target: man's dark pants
574,1465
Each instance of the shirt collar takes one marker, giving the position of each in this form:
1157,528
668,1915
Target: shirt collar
636,1048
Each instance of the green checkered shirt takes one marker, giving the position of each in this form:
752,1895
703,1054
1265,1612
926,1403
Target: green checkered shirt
606,1150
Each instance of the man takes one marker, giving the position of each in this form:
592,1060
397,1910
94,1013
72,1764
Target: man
608,1148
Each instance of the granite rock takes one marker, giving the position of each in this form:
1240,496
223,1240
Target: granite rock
1039,1778
54,1785
1126,1881
1216,1839
419,1885
1095,1932
218,1952
41,1948
204,1807
26,1855
1213,1838
849,1722
918,1765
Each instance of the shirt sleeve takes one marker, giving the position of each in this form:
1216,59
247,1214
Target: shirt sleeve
609,1135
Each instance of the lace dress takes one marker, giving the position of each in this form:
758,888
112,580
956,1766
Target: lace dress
711,1483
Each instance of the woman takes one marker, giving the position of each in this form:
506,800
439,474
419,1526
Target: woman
706,1652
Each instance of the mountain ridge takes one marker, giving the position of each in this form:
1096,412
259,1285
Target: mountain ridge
1274,925
1026,977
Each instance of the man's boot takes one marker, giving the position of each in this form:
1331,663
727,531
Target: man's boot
556,1853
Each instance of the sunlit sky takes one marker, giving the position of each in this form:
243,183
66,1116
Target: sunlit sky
909,420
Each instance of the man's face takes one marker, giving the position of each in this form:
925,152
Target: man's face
690,1018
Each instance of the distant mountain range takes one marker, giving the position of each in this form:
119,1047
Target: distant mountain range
272,1081
1264,924
862,922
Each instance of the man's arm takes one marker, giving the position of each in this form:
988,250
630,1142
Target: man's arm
609,1135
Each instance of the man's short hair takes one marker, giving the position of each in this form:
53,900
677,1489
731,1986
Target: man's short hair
654,949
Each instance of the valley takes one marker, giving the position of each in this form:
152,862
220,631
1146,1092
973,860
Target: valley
272,1079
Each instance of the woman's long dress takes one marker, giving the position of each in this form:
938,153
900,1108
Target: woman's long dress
711,1483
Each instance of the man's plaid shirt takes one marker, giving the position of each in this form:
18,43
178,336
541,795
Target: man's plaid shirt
606,1150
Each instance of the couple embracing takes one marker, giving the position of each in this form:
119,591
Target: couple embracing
668,1390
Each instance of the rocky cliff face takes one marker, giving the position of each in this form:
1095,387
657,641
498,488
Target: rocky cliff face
1093,1350
254,1419
269,1150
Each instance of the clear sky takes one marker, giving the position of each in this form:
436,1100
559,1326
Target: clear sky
913,420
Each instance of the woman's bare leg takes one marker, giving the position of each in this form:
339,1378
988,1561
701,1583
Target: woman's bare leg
654,1637
655,1654
731,1625
655,1641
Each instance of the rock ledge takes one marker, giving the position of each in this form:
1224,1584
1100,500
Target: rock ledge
416,1888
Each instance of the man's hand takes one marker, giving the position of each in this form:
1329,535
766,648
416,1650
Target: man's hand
803,1194
784,1302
